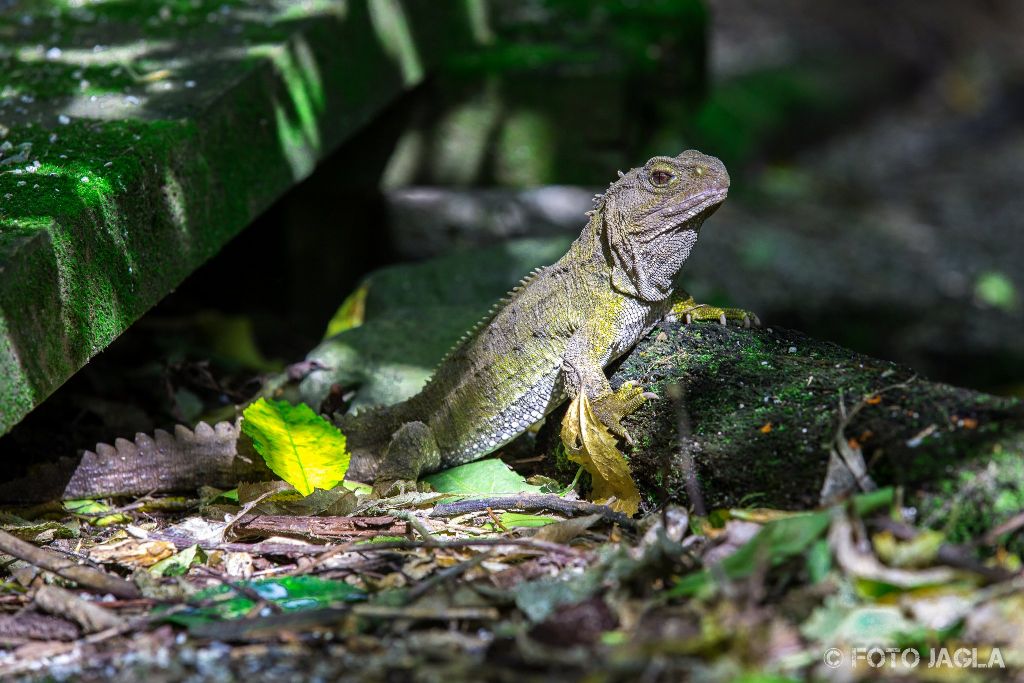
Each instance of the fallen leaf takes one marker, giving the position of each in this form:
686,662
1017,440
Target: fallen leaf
351,312
133,552
919,552
873,576
299,446
566,530
179,564
589,443
481,477
765,428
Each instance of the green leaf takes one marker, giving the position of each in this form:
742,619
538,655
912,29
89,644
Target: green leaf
485,477
299,446
819,561
95,511
866,503
350,314
86,507
230,496
519,519
776,542
291,594
179,563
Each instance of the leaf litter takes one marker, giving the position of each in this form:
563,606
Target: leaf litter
483,572
417,586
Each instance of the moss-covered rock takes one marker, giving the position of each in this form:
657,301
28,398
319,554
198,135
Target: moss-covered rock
763,410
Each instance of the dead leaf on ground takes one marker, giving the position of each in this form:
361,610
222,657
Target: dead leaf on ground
589,443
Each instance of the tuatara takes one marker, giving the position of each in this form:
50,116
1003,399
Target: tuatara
548,340
553,335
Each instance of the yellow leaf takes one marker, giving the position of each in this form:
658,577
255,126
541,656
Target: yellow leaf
351,312
589,443
299,446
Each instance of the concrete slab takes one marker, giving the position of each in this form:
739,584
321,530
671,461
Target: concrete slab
136,138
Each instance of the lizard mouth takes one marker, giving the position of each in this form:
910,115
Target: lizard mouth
697,207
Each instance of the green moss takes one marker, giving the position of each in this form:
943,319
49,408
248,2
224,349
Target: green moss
764,405
79,167
979,496
99,219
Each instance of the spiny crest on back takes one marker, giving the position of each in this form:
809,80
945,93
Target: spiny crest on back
488,317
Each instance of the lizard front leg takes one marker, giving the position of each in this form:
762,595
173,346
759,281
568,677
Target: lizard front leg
583,371
683,308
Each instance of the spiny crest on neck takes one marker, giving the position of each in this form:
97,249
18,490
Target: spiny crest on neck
600,197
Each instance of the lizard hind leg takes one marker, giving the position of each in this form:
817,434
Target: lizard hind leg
412,451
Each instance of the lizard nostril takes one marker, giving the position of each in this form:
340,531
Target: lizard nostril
700,170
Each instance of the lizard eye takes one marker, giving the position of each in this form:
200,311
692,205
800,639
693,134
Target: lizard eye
661,177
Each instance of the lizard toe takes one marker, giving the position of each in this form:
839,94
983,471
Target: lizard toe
389,488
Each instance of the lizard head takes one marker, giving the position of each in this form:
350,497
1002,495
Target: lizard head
649,219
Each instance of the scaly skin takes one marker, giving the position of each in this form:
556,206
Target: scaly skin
554,334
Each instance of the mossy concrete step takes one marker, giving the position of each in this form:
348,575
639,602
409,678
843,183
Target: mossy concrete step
137,138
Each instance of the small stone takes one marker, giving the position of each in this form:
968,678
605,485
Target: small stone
85,179
108,164
64,119
53,138
792,349
132,99
53,53
22,183
190,84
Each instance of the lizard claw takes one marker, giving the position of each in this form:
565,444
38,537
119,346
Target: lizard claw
611,408
689,311
388,488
